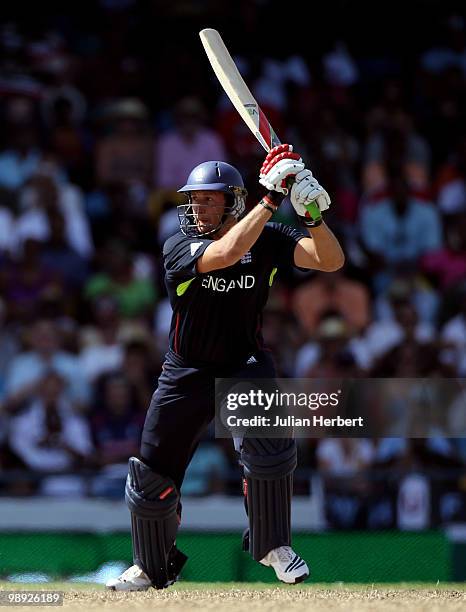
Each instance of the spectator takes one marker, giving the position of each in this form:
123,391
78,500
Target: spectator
135,296
343,462
125,155
119,211
42,198
394,141
27,369
280,332
329,353
9,346
141,366
63,109
453,51
447,266
451,182
453,335
49,436
410,286
335,155
382,336
331,291
408,359
187,145
7,242
457,415
26,281
270,86
413,503
111,343
398,230
102,349
208,471
339,67
21,159
116,421
60,258
344,456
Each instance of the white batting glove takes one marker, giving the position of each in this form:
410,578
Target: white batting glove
280,165
309,199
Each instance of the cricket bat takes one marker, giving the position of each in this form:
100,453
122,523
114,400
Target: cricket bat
236,89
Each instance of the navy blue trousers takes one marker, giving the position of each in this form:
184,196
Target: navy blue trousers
182,407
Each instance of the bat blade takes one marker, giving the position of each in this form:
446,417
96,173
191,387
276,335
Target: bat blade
236,89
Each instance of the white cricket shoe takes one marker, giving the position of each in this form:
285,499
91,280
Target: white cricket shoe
133,579
288,566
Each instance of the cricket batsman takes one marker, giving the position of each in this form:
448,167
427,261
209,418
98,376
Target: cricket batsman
218,271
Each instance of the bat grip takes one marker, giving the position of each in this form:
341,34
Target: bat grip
289,184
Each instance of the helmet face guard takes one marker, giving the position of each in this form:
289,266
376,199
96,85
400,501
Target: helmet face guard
212,176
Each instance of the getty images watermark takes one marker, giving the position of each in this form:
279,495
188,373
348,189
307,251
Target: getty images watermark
258,398
311,408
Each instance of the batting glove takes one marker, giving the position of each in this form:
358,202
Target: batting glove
309,199
280,166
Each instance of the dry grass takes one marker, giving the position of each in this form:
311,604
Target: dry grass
264,598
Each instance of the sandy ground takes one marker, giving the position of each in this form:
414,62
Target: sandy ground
263,598
275,600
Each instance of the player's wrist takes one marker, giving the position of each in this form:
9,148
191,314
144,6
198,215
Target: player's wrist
309,214
274,198
267,206
271,201
310,223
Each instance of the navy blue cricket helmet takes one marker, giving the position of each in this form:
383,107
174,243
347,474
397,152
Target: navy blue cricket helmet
212,176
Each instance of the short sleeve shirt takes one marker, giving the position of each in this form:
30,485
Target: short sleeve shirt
217,316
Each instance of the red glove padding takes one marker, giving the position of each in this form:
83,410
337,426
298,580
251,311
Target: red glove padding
283,151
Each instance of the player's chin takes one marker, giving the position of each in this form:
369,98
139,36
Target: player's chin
206,226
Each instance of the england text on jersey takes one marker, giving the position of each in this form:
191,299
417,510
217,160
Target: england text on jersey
216,283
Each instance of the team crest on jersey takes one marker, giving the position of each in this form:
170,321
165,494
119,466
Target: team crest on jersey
246,258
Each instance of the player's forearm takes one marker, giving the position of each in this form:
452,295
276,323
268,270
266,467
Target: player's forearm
327,249
310,200
240,238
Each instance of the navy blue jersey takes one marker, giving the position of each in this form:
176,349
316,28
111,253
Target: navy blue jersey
217,316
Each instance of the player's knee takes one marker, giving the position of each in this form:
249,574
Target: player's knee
269,461
148,494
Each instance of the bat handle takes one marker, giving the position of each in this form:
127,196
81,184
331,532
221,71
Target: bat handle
289,185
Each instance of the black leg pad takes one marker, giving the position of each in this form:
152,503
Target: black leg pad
268,468
153,500
176,560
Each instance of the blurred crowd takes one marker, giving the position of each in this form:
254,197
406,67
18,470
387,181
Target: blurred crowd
98,136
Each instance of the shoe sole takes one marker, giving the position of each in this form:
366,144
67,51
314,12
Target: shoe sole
297,580
143,588
301,578
112,588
